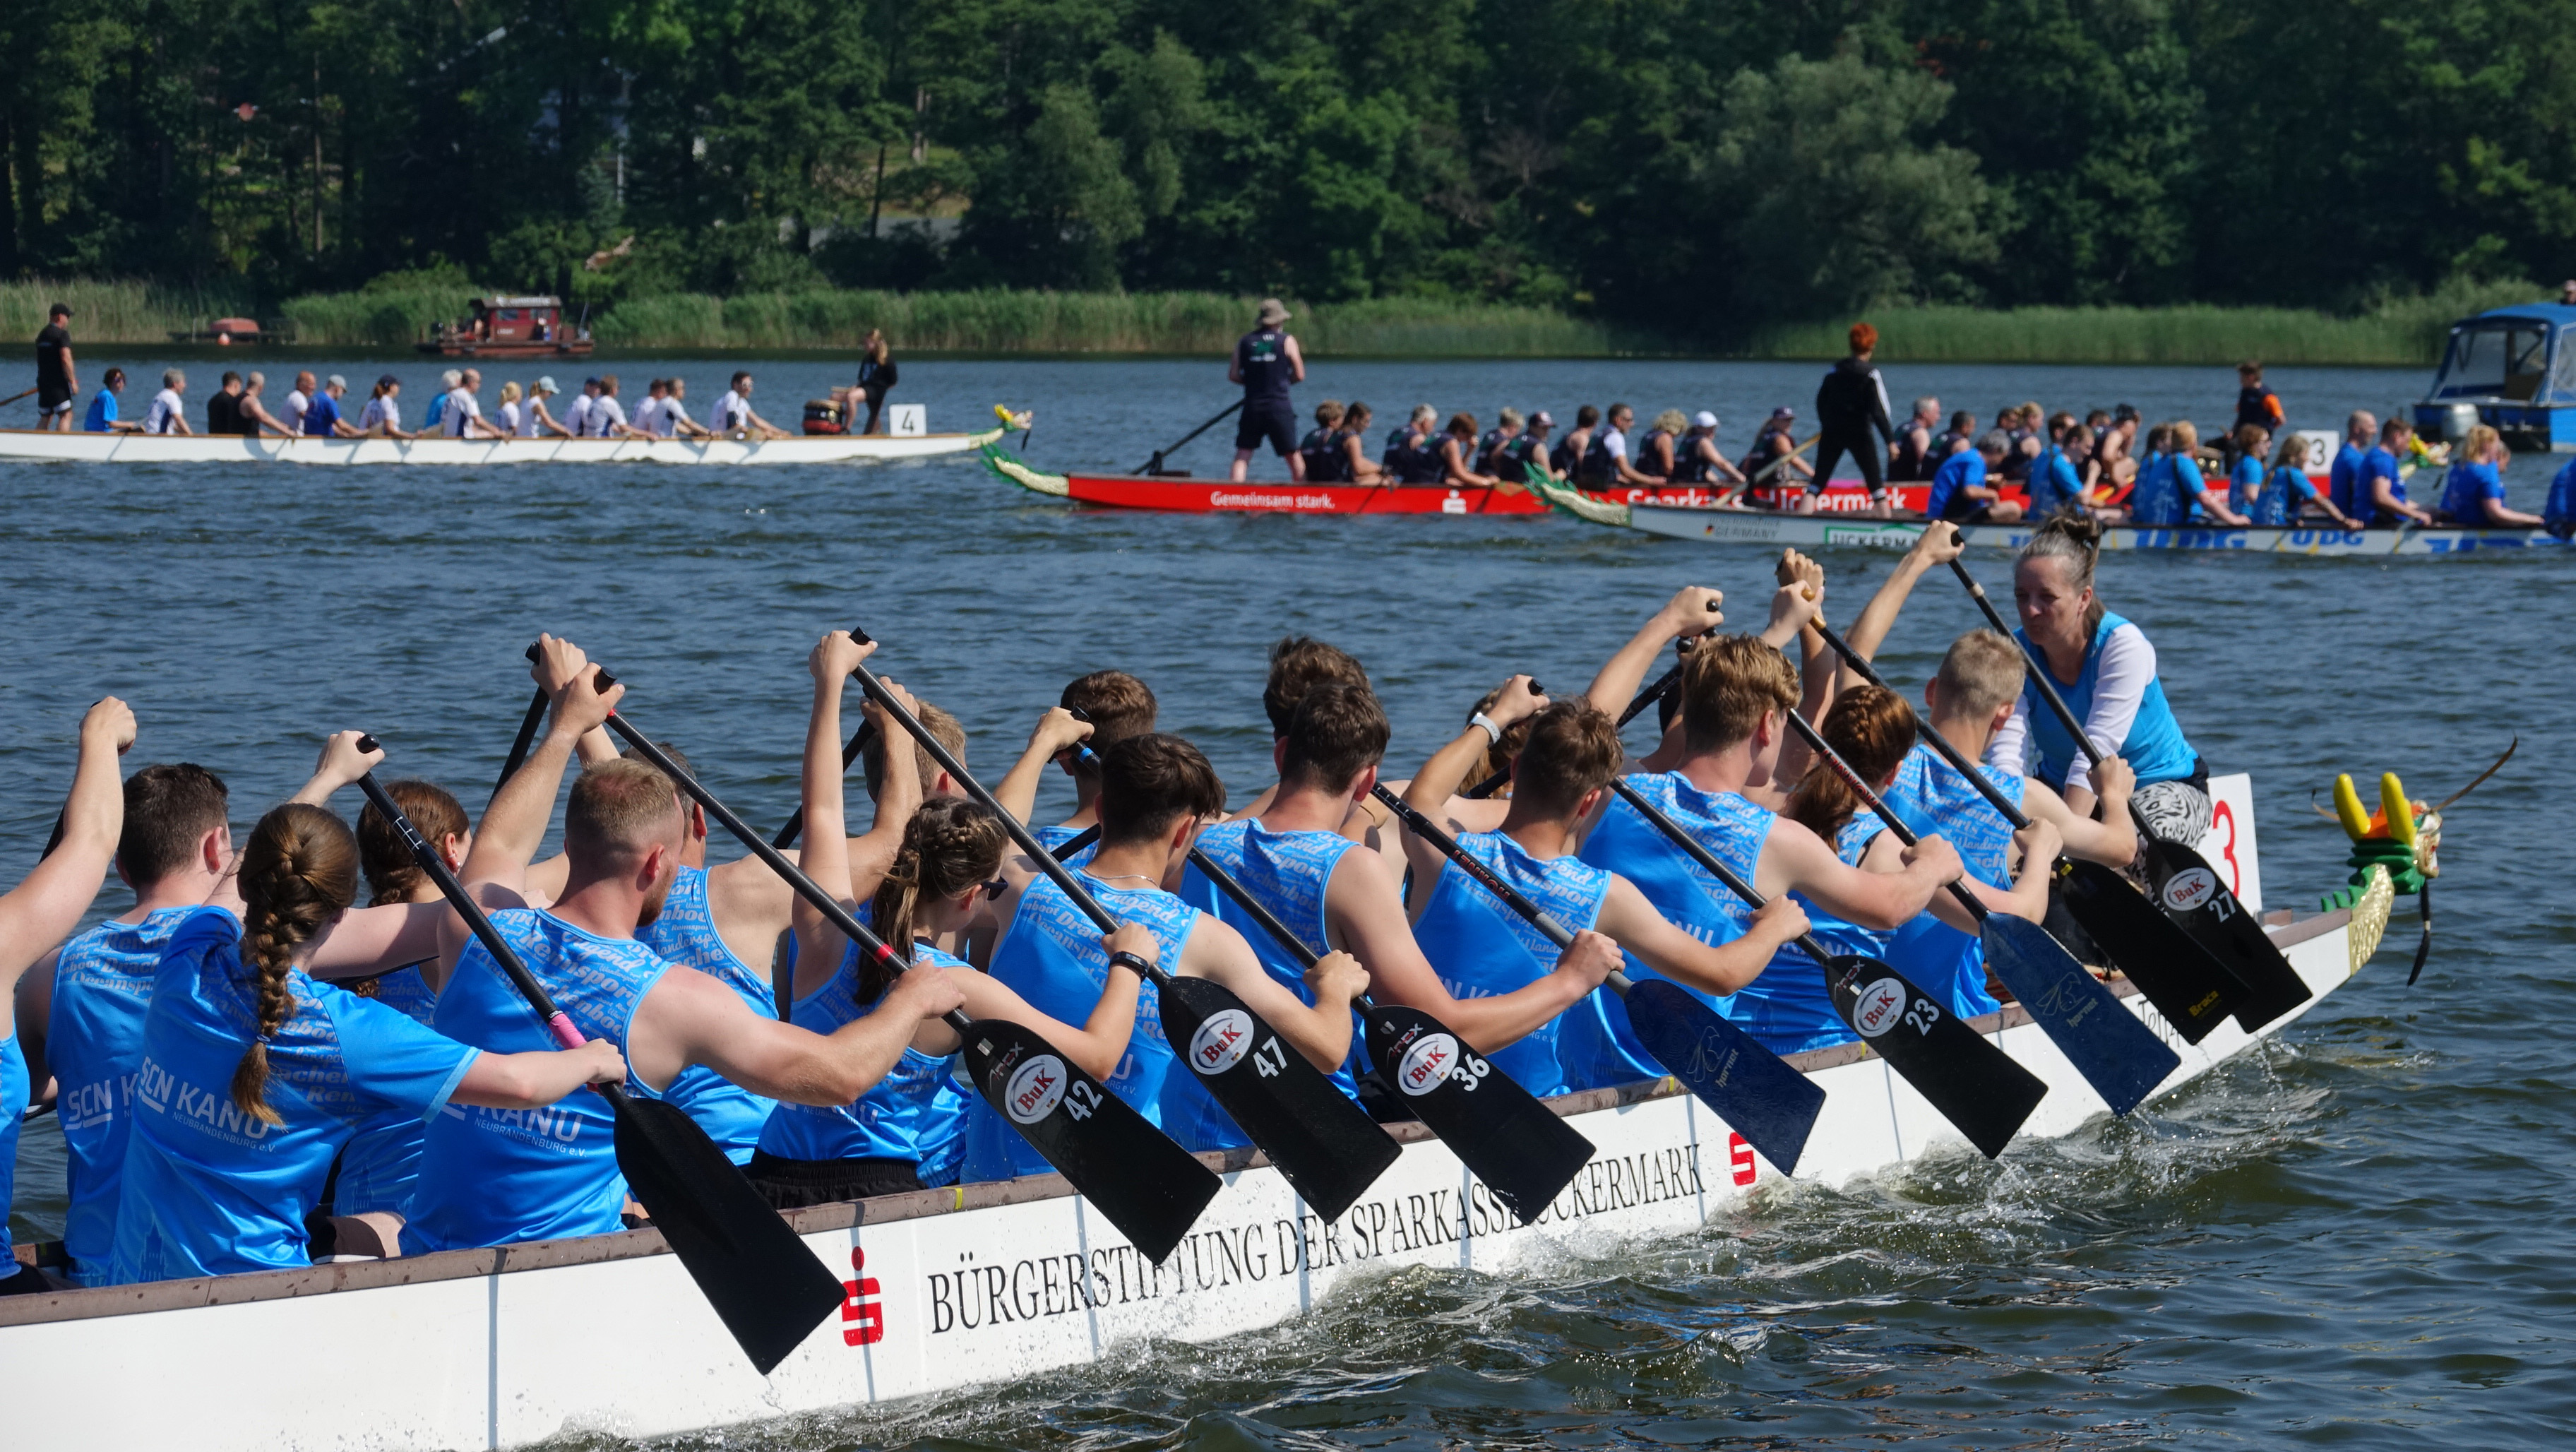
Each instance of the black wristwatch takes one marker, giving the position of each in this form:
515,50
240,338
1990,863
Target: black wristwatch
1124,959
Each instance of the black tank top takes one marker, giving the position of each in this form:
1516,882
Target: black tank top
1565,455
1909,458
1262,358
1317,450
1690,466
1650,462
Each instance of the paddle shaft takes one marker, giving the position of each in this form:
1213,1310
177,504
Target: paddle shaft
1155,464
795,827
1296,946
1940,744
1770,468
2047,687
13,398
1825,752
1710,864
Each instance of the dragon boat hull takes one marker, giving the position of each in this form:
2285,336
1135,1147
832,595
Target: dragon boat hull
951,1287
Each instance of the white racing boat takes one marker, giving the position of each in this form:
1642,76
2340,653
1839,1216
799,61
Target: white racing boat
30,445
951,1287
1818,531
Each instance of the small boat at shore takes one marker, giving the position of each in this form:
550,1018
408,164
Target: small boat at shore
31,445
607,1337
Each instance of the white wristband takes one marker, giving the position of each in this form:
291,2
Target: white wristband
1486,723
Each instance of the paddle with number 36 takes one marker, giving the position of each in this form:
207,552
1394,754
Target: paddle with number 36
1974,1085
1772,1105
1326,1145
1149,1187
2194,991
2119,1056
2179,880
767,1287
1524,1152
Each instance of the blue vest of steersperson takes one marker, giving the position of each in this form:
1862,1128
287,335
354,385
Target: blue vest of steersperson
1483,949
1606,1051
93,1044
501,1176
1286,872
915,1114
1932,798
1051,956
2154,748
685,933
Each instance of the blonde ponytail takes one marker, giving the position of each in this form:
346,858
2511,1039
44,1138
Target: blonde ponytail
298,871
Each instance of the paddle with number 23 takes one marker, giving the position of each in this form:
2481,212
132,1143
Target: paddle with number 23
2119,1056
2179,880
1772,1105
1149,1187
767,1287
1326,1146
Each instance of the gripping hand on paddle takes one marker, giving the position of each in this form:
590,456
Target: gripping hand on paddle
1939,544
1692,613
539,1077
340,763
1337,978
564,672
1057,732
1792,606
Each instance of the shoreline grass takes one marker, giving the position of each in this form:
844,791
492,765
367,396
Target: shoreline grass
2405,332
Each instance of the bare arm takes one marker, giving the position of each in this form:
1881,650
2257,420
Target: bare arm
1937,545
1055,733
1721,969
1432,787
37,914
496,870
1102,1040
527,1081
690,1018
1296,360
826,858
1796,858
1321,1031
1692,611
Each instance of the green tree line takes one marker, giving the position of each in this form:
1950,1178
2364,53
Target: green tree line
1689,165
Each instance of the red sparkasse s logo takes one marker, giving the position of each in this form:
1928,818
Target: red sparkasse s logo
862,1315
1739,1158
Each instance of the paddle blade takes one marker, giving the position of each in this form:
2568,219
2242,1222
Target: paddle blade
1524,1152
1131,1172
1758,1095
2120,1057
2192,989
1973,1084
767,1287
1321,1139
2197,897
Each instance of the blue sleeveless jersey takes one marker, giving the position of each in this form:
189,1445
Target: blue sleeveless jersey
15,1091
1788,1009
210,1190
1286,872
916,1113
2155,748
102,985
381,1162
1051,956
685,933
1601,1049
1930,797
2280,500
500,1176
1482,949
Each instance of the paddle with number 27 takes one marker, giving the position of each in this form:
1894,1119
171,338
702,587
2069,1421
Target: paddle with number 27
767,1287
1149,1187
2119,1056
1325,1145
1759,1096
2179,880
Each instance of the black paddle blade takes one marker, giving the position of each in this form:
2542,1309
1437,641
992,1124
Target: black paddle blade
1758,1095
2192,989
1974,1085
2120,1057
1326,1145
1524,1152
2196,896
767,1287
1131,1172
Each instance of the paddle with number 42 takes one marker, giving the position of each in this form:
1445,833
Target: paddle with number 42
2120,1057
2181,883
1326,1146
1772,1105
1149,1187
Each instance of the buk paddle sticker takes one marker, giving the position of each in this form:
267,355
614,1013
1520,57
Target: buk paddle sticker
2190,888
1430,1060
1221,1042
1881,1005
1036,1089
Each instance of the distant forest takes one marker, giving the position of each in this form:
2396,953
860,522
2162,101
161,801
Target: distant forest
1689,164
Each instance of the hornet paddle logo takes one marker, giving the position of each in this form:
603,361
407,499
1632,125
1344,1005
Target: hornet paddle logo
1221,1042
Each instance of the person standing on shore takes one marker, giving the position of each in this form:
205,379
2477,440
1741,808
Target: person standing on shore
1267,363
1850,404
57,380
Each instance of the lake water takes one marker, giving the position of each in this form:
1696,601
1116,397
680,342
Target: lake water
2354,1237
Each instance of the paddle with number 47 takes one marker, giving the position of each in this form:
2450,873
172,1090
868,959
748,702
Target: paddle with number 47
1326,1146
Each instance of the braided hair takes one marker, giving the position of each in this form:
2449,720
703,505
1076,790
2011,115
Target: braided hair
1869,727
299,871
950,845
393,875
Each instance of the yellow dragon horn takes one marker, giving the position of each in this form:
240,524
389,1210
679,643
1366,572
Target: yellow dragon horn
2356,822
2399,812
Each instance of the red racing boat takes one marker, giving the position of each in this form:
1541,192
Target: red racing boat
1219,496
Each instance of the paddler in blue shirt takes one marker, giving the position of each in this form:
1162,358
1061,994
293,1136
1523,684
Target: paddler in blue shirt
1959,487
36,914
2359,431
1155,793
2379,486
1295,859
496,1177
1732,763
1560,778
907,1131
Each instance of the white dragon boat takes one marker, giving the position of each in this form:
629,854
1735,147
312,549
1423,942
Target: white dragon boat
33,446
952,1287
1819,531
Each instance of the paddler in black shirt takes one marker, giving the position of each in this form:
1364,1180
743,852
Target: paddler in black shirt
1266,362
56,383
